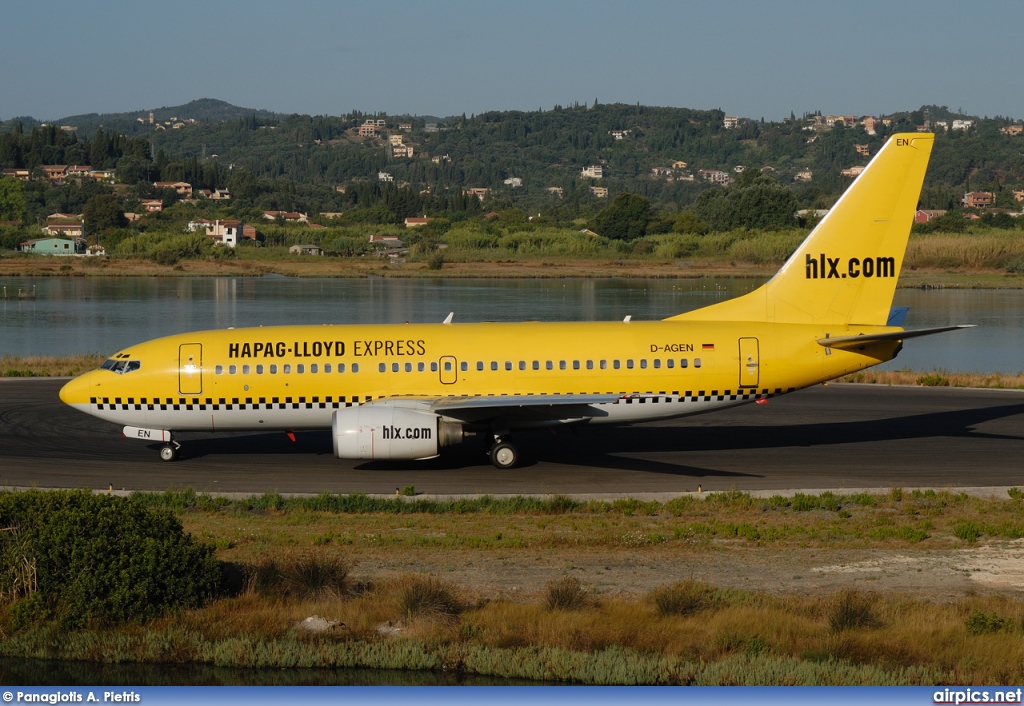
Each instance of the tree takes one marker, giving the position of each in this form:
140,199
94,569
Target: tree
755,201
102,213
625,218
12,200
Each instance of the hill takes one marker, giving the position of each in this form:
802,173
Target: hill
208,110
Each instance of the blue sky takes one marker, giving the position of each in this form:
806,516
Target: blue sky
444,57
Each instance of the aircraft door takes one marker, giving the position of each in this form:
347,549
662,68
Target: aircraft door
190,368
750,363
449,370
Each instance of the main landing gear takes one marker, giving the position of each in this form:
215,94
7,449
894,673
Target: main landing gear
504,454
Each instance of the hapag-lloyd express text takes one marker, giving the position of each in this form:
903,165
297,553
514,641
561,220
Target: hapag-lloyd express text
326,349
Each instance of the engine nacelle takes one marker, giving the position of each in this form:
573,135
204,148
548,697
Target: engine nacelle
382,432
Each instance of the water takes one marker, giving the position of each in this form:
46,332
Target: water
39,672
101,315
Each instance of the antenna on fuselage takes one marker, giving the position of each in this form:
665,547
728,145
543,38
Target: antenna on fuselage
629,317
448,319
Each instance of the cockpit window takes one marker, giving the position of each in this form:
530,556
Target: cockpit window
121,366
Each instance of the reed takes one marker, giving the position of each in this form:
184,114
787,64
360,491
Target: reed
749,638
48,366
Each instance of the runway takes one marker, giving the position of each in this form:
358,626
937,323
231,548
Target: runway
836,436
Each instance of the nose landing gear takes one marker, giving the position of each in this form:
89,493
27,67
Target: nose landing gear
169,451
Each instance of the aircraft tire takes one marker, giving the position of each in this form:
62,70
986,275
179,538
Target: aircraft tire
168,452
504,455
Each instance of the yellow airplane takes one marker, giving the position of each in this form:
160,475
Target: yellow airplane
406,391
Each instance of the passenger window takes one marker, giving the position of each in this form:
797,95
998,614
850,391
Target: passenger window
616,364
683,363
245,369
575,365
433,367
408,367
561,365
327,368
355,367
420,367
232,370
629,363
341,367
447,366
549,365
465,366
219,370
382,367
536,365
479,365
522,365
286,368
603,365
259,369
508,365
313,368
657,363
273,368
395,367
643,364
696,362
670,363
494,365
590,365
300,368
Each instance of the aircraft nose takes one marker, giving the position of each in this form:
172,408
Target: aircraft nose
76,391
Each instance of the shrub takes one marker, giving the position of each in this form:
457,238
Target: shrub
849,610
98,559
427,596
967,530
315,576
933,380
980,622
566,594
683,598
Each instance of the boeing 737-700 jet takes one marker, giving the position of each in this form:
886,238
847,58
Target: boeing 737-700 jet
405,391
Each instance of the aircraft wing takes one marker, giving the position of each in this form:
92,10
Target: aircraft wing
481,407
849,342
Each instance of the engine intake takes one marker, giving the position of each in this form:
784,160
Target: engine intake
384,432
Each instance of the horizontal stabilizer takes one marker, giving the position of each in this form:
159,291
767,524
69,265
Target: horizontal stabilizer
848,342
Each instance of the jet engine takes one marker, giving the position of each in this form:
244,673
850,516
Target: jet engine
383,432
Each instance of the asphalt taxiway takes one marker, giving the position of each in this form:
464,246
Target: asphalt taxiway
836,436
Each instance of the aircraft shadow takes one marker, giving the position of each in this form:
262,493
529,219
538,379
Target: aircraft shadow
608,449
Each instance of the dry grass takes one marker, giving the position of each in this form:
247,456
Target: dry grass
974,252
48,366
892,632
937,378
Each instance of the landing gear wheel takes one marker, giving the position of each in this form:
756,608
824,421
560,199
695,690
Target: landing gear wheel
504,455
168,452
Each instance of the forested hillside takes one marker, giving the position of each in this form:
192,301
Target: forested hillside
528,160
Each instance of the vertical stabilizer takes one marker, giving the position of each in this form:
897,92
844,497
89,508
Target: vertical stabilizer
845,271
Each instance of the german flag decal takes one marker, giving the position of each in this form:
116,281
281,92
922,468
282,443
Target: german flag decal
707,347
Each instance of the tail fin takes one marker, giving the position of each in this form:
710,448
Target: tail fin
845,271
